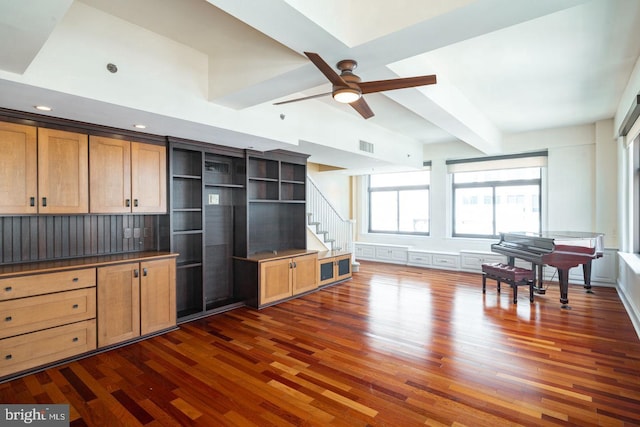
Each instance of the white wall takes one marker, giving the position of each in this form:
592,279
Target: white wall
572,191
629,265
335,187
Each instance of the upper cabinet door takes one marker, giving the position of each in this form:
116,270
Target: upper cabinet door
18,169
110,175
148,178
63,172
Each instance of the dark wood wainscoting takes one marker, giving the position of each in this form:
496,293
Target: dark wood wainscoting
395,346
48,237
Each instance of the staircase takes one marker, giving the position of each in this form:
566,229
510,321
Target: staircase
326,223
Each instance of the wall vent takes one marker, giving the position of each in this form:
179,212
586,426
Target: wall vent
365,146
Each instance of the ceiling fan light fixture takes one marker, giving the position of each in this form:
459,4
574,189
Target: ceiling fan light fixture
346,95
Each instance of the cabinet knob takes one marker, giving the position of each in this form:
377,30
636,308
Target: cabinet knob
8,319
75,279
75,306
75,339
144,272
136,273
8,289
8,357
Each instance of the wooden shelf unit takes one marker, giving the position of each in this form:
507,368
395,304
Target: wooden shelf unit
208,224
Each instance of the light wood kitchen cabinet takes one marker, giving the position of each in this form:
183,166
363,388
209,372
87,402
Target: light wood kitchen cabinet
333,266
43,171
157,295
63,172
118,303
18,169
46,317
135,299
127,177
283,278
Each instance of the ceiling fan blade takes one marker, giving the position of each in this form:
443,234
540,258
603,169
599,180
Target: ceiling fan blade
326,69
401,83
302,99
363,108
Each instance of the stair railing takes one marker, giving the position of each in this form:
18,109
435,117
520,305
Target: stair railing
338,231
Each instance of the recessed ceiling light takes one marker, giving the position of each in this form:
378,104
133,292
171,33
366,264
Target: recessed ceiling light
140,126
43,108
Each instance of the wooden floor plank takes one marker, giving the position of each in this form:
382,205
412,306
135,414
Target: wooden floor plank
395,346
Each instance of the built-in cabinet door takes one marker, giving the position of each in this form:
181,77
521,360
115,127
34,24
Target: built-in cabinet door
110,170
305,273
157,295
18,169
148,178
63,172
275,280
343,267
118,303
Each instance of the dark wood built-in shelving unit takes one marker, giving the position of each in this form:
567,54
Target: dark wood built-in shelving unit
208,224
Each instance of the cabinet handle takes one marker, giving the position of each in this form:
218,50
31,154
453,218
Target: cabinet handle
8,319
127,203
8,289
44,202
32,201
75,339
75,306
295,265
75,279
290,264
136,273
144,272
135,203
8,357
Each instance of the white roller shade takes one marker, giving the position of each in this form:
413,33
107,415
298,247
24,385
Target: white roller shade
518,161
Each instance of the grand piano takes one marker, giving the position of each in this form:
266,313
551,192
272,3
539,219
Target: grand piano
560,249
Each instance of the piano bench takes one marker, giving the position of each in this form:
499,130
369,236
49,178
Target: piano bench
513,276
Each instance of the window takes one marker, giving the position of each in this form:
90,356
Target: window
399,203
496,195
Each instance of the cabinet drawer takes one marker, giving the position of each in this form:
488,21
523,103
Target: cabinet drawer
416,258
38,284
45,311
366,252
473,261
445,261
38,348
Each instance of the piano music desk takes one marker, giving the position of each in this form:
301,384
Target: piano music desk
513,276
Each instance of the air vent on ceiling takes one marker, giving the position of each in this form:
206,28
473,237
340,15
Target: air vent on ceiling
365,146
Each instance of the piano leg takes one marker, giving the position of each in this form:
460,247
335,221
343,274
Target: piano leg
563,278
537,279
586,273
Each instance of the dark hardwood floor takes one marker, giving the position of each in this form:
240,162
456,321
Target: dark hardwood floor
395,346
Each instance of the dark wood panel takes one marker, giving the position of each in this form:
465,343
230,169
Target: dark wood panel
48,237
395,346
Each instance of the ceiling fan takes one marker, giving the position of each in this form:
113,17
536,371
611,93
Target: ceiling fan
348,89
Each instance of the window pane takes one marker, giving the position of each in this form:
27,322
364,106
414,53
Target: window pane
384,210
399,179
473,211
517,208
496,175
414,211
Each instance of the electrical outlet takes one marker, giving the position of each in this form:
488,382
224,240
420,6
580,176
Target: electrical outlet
214,199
